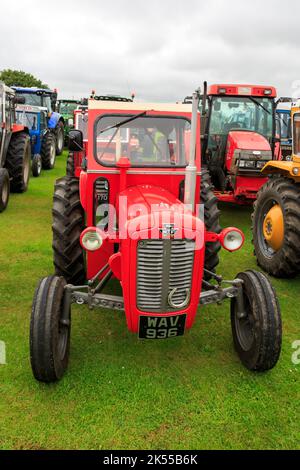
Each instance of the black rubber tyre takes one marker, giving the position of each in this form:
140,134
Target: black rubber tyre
18,162
48,152
284,263
70,169
36,165
4,189
60,138
49,338
68,224
212,224
257,336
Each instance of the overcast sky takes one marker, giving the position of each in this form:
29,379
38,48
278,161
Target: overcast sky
161,49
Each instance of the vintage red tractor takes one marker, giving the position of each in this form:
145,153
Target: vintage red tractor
238,138
143,212
15,149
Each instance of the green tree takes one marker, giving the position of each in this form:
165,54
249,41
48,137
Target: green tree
20,78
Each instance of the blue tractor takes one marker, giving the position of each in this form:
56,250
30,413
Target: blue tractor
46,98
283,113
43,142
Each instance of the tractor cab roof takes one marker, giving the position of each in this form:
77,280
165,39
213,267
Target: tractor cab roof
33,90
258,91
134,106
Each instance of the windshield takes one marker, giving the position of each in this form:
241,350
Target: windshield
27,119
285,124
67,108
37,100
146,141
242,113
296,134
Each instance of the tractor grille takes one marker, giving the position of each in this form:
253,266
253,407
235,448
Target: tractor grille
162,266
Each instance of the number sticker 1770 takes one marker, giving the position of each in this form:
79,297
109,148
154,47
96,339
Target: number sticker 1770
162,327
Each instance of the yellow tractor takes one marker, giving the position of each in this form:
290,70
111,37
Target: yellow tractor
276,216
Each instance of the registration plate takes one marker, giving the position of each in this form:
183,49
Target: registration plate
162,327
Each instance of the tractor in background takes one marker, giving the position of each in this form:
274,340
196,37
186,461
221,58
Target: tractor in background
283,113
238,138
14,148
276,216
43,145
143,211
66,108
45,98
75,160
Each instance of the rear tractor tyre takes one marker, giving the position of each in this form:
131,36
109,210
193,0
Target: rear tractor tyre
49,336
68,224
4,189
212,224
18,162
48,152
276,227
257,331
36,165
70,170
60,138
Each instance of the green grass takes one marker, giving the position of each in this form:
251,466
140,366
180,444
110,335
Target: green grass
119,393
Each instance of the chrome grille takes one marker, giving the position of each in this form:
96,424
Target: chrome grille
163,266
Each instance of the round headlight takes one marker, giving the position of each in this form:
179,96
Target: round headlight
232,239
91,239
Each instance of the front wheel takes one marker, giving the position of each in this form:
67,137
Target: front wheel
36,165
257,330
4,189
49,334
60,138
48,152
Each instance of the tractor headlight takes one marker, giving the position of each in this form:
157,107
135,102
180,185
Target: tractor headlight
242,164
260,164
250,164
232,239
91,239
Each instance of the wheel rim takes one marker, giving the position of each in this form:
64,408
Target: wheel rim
270,228
273,228
244,327
39,166
60,139
52,155
5,192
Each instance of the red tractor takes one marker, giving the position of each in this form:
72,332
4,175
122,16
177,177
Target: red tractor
76,159
15,148
143,212
238,138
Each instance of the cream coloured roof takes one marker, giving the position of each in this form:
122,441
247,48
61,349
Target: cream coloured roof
135,106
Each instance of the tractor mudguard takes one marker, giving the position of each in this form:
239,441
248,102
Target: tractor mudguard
54,119
284,168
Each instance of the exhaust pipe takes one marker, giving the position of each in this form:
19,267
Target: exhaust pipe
191,169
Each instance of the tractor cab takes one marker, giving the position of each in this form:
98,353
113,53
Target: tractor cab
283,115
45,98
238,138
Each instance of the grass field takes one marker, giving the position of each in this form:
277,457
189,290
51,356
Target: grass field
119,393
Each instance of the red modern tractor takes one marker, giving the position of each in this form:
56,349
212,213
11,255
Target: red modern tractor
238,138
15,148
143,212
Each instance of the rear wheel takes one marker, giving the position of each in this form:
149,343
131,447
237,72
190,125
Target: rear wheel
4,189
68,224
257,331
36,165
49,335
212,224
48,152
18,162
60,138
70,170
276,227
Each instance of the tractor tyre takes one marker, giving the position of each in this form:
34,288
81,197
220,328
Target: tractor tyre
4,189
48,151
70,170
257,331
49,336
212,224
276,227
68,224
36,165
60,137
18,162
